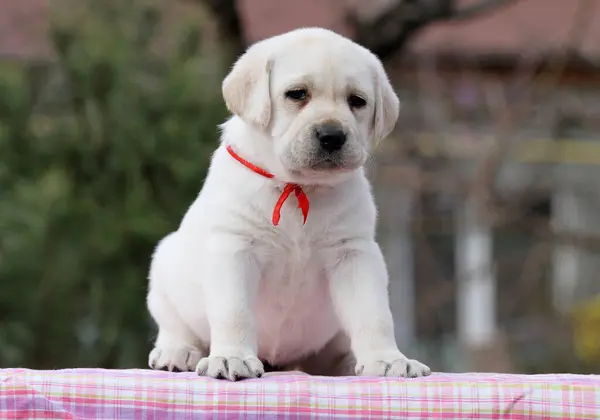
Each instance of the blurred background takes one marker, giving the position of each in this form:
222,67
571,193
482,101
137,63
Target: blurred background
489,188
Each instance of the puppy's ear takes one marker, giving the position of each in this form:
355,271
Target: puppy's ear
246,87
387,104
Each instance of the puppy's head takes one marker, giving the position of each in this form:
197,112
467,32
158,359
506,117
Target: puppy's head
321,98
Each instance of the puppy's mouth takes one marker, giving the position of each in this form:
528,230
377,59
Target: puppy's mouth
324,171
317,167
326,164
333,163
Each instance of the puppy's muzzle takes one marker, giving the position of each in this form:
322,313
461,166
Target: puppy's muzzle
331,136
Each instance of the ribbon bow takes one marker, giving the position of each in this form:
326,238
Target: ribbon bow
303,203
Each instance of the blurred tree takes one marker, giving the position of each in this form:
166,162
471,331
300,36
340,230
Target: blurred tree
386,33
228,21
389,32
92,176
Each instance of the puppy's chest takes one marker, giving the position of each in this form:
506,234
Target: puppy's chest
290,262
293,254
293,272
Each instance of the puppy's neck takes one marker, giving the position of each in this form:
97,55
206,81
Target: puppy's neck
251,144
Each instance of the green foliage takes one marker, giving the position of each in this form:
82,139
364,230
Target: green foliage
96,166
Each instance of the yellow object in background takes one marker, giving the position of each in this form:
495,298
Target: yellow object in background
586,319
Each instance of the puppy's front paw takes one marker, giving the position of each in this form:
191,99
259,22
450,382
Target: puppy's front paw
174,359
232,368
407,368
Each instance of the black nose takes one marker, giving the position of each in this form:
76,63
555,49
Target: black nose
331,136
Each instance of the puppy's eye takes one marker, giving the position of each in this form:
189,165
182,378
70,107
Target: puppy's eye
356,102
297,94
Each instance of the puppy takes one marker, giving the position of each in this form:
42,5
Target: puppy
275,263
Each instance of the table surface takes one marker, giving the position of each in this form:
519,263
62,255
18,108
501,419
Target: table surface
144,394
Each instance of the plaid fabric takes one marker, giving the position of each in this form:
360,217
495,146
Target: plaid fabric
144,394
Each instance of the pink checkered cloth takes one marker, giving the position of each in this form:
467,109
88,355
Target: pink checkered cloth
144,394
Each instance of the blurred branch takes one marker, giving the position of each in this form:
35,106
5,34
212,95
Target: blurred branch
228,21
478,9
389,32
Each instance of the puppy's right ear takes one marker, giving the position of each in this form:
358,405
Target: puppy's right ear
246,88
387,104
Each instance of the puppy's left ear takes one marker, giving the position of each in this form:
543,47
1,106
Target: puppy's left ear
387,104
246,88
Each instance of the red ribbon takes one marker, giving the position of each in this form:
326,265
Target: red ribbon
303,203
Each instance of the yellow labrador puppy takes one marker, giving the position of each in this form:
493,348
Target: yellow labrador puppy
275,263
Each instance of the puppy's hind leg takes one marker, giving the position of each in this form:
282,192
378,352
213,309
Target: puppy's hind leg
177,348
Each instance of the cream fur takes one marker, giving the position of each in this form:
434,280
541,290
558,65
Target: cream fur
228,289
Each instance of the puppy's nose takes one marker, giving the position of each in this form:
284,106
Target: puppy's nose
331,136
